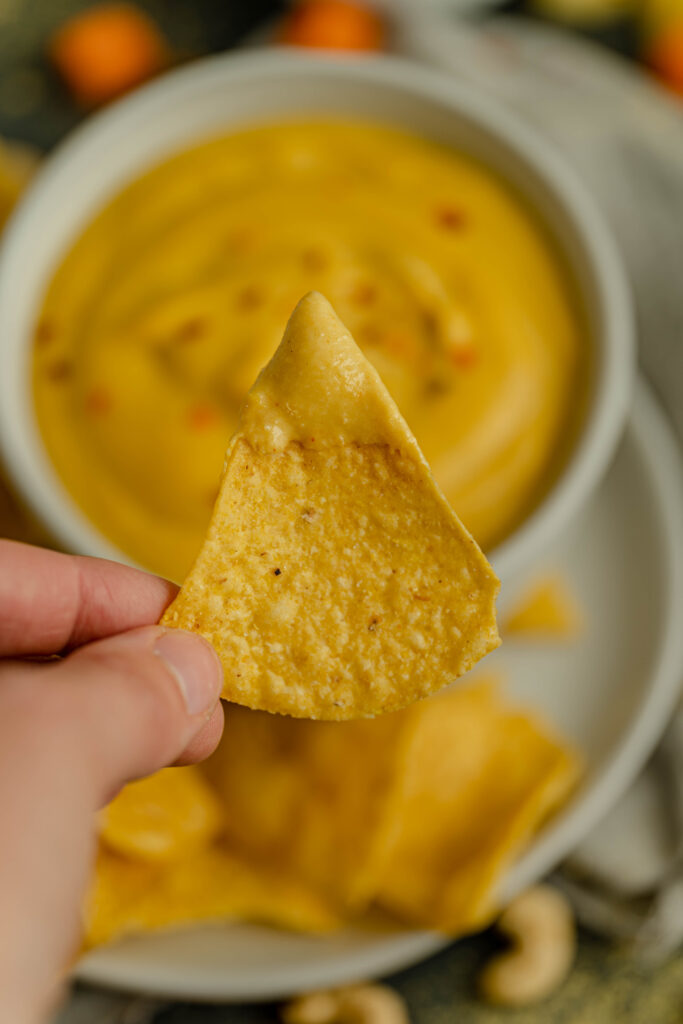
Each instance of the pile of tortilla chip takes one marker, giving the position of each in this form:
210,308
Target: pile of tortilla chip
308,825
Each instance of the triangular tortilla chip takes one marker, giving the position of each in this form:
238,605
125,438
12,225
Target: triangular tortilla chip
335,580
477,781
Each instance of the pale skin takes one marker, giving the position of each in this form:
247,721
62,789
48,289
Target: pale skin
123,698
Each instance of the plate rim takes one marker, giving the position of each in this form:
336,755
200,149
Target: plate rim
650,431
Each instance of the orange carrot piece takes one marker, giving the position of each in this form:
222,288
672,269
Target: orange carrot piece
666,56
107,50
333,25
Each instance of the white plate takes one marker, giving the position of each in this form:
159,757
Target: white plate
611,693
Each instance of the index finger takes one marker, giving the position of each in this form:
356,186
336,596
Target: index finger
50,602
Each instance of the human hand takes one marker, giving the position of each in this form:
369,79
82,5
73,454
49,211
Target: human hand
125,698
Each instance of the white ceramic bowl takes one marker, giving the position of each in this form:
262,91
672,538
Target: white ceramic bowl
214,96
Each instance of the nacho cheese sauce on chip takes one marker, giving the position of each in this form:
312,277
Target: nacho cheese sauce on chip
173,298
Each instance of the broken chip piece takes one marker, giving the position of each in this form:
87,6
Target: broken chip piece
335,580
215,884
310,797
162,818
547,610
477,780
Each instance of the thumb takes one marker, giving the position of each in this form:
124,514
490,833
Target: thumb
72,732
137,701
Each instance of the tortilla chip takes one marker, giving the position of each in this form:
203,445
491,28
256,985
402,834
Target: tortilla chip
309,796
215,885
548,609
335,581
478,780
165,817
264,893
115,901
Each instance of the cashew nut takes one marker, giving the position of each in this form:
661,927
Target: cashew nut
357,1004
540,925
313,1008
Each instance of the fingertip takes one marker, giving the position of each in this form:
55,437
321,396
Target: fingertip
139,699
205,741
194,665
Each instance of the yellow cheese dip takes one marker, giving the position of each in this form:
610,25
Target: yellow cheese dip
173,298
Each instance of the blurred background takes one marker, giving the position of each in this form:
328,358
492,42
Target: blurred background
603,79
37,105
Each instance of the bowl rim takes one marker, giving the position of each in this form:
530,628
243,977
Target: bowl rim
21,446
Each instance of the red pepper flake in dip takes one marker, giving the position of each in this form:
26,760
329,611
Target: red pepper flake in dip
450,218
191,330
249,297
45,332
202,416
464,357
364,294
98,401
60,370
314,259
